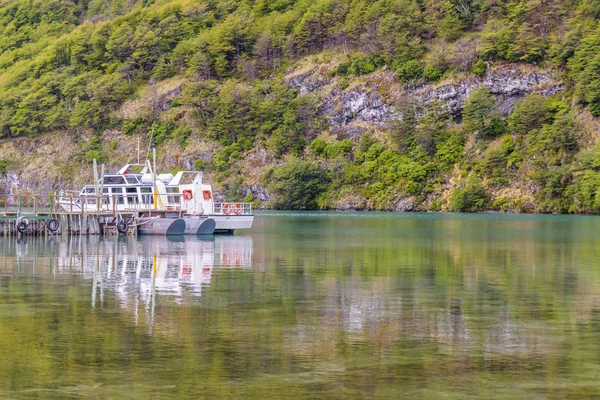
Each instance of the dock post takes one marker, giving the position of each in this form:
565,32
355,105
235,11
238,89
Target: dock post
63,224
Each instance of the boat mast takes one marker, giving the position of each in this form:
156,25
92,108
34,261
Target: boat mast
102,180
95,166
154,175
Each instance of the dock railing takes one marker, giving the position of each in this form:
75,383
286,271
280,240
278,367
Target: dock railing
41,207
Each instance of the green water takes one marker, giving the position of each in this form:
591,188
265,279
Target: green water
310,305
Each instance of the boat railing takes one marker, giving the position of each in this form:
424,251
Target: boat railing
11,204
232,208
114,204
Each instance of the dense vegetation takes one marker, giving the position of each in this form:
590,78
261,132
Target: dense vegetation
70,66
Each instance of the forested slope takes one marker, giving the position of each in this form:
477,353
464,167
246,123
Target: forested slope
391,104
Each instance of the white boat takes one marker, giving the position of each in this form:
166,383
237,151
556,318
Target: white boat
135,188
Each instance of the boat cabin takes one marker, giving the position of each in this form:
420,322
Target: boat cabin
132,188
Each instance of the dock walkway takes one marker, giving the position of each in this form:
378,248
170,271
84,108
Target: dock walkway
37,212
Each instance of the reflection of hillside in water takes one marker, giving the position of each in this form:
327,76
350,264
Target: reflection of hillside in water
135,269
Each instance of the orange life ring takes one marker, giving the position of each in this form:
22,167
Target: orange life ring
237,208
226,208
206,194
187,195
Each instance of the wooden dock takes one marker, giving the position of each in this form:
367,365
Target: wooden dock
42,217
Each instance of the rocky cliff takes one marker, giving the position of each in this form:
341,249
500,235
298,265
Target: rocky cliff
373,101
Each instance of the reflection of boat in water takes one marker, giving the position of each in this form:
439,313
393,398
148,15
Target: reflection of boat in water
173,266
136,273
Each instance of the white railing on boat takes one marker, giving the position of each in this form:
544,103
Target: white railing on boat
232,208
123,203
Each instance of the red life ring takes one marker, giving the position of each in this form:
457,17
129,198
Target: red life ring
206,194
226,208
237,208
187,195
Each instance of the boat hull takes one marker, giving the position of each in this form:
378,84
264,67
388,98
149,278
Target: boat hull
177,226
230,223
199,226
163,227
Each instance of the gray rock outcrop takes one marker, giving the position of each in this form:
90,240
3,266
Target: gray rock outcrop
375,100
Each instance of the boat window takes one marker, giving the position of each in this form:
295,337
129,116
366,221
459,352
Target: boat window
131,179
104,190
89,190
132,197
146,195
118,192
187,178
173,190
114,180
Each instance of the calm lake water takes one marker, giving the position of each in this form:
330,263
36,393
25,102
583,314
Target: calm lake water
309,305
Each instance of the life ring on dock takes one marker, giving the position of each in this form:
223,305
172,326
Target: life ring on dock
22,225
206,194
237,208
226,208
52,225
122,226
187,195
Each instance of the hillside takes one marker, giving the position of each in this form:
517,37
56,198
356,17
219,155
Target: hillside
460,105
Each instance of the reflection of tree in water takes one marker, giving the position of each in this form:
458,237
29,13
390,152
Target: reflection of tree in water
490,291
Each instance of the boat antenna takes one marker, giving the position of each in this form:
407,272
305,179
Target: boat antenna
150,143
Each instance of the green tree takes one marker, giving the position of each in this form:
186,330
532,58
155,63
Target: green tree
296,185
85,114
479,110
471,198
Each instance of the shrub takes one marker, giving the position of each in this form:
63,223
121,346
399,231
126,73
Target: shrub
432,73
160,134
409,71
358,66
317,147
181,134
470,198
479,68
296,185
343,83
93,150
92,155
132,126
338,148
199,165
3,166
